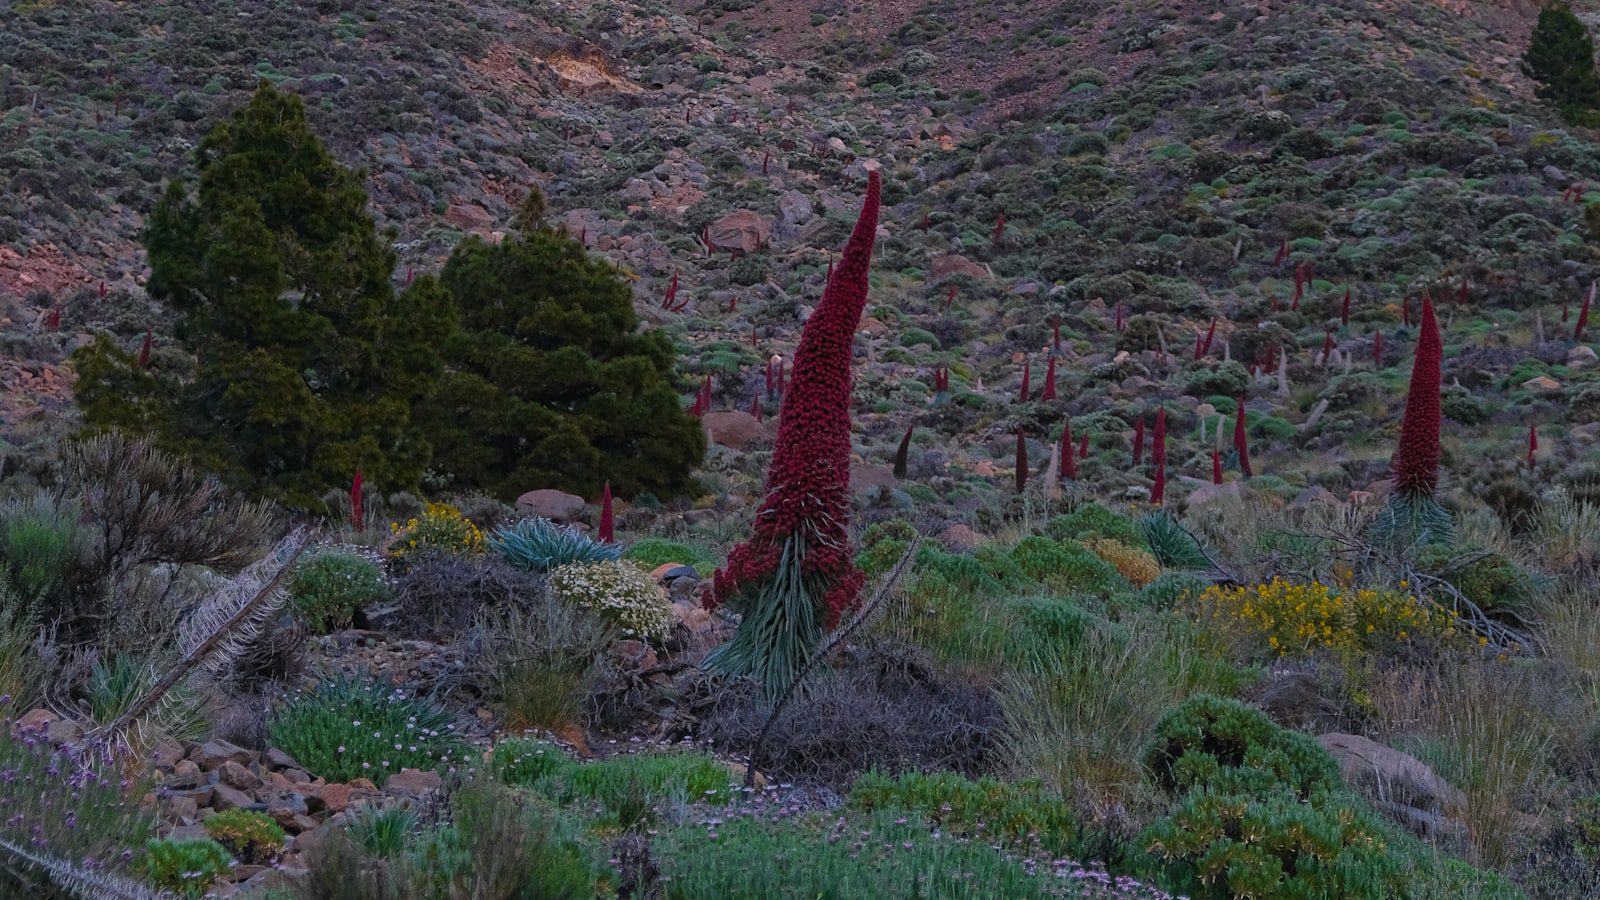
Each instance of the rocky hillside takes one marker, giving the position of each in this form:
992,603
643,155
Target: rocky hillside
1149,160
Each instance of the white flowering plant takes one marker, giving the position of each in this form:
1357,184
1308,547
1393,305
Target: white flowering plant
620,592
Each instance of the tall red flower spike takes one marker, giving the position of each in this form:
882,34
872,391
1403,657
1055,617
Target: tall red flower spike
358,508
1283,252
1138,440
1377,348
1026,379
1405,311
1022,461
1216,466
1344,308
103,291
1055,338
1211,335
1461,292
999,230
1083,446
950,297
902,454
1533,444
54,321
607,532
1241,441
1158,443
1048,392
770,381
755,408
1583,314
808,481
766,159
1416,460
1069,465
1159,491
1120,322
144,351
1327,346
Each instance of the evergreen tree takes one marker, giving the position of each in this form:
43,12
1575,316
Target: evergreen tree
1561,58
547,384
306,362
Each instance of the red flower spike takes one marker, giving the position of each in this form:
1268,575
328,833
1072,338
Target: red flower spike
1377,348
1138,441
608,520
1416,460
1055,338
1533,444
1119,320
766,159
103,290
1241,441
1199,346
358,509
1158,443
1211,335
770,381
55,318
1583,314
950,298
144,351
1026,382
999,233
903,452
807,494
1283,252
1049,390
1327,347
755,408
1160,489
1344,309
1216,466
1461,292
1083,446
1069,465
927,222
1022,461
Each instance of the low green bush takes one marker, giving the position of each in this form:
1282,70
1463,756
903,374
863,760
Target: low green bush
347,729
186,868
1092,520
331,586
1021,813
251,836
624,786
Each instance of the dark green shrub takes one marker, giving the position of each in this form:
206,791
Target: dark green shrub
1069,567
1227,746
1205,377
331,586
185,867
1092,520
345,730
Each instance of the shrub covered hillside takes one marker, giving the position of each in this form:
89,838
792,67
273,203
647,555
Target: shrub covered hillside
674,449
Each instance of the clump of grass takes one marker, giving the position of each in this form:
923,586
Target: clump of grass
346,730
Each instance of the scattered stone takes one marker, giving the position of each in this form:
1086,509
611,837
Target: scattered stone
557,506
956,264
57,729
1541,383
740,230
224,798
234,775
735,429
412,783
1396,783
212,754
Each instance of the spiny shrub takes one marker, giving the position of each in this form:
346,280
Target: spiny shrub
620,592
185,867
251,836
331,586
1021,813
1138,566
540,545
347,729
440,527
1173,547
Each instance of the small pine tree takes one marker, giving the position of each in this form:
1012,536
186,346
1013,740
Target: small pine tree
306,364
1561,58
547,383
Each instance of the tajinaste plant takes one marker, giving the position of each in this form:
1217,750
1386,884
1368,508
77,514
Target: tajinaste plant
1533,444
1048,392
1412,515
1022,461
1583,314
1241,441
795,577
1069,465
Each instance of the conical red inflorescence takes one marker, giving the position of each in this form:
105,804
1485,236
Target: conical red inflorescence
1377,348
902,454
55,318
1022,461
1069,464
1283,252
144,350
1416,459
1138,441
1055,338
1533,444
1241,441
1211,335
1158,493
1048,392
1216,466
1023,394
999,230
607,531
1083,446
1158,443
808,481
755,408
1327,346
358,507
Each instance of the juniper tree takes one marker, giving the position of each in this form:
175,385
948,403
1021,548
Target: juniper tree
306,363
548,383
1560,57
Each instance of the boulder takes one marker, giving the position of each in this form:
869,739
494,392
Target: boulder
958,538
741,230
1210,494
865,478
1581,357
57,729
1542,383
469,217
794,210
733,428
557,506
412,783
1396,783
956,264
234,775
212,754
224,798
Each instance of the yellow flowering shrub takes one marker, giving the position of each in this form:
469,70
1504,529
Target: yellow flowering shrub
621,592
1298,619
440,527
1138,566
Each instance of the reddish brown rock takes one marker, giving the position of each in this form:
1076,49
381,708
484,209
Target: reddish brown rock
734,428
740,230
